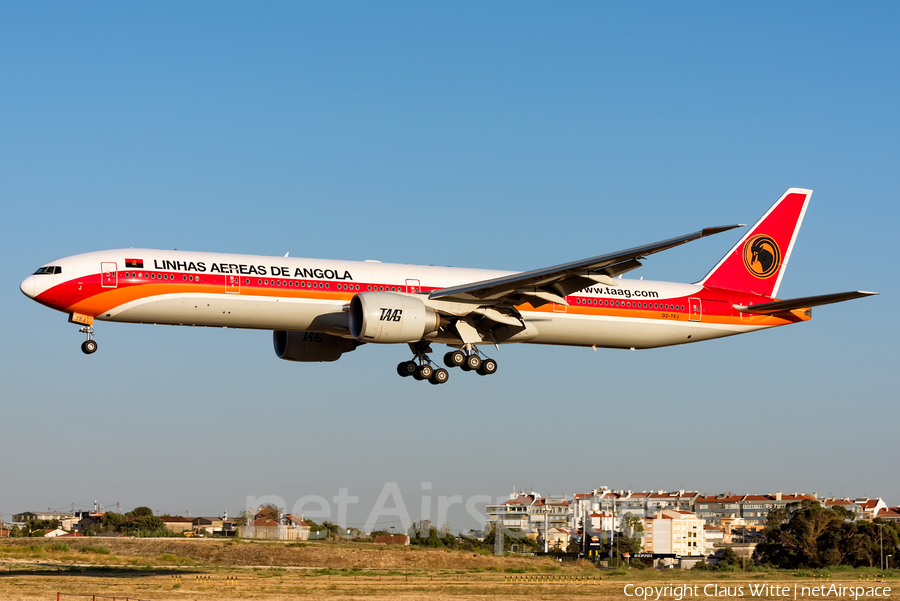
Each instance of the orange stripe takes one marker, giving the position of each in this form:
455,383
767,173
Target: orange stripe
110,298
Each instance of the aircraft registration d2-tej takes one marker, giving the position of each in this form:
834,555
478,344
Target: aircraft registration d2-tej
320,309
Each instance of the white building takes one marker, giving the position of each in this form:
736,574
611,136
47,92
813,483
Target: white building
714,536
676,532
619,503
601,522
530,513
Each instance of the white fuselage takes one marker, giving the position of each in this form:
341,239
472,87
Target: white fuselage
297,294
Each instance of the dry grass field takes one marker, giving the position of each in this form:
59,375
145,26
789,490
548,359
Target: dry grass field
178,569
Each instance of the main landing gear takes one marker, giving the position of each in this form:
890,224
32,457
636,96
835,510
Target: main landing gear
90,345
467,358
420,367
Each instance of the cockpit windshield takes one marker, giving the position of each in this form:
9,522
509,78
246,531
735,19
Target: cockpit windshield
48,270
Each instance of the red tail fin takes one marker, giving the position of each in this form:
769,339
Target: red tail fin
757,263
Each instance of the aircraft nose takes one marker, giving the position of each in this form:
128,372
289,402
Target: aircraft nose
27,287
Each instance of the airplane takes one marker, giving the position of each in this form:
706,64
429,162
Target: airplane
320,309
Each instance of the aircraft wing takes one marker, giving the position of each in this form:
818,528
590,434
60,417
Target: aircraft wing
801,303
553,284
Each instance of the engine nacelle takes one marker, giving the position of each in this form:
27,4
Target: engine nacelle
387,317
310,346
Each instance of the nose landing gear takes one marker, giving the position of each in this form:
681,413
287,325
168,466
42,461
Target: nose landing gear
90,345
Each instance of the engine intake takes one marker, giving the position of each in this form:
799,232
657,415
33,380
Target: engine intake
310,346
387,317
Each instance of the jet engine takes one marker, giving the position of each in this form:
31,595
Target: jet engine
387,317
310,346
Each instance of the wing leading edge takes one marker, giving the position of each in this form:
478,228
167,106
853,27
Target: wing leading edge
553,284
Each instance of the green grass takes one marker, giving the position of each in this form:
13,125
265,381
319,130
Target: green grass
176,559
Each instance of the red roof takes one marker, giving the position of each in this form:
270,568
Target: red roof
520,500
671,495
296,521
731,499
759,498
391,539
264,522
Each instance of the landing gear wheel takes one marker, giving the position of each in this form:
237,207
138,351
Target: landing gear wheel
488,366
424,372
472,363
454,359
88,347
407,368
439,376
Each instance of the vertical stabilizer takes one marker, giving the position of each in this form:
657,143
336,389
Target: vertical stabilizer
757,262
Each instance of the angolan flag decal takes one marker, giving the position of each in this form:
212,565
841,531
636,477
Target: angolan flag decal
134,263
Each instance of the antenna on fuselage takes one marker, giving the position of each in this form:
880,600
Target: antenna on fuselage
286,254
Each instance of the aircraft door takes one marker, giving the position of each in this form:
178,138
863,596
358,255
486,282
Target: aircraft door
108,275
233,284
413,286
696,309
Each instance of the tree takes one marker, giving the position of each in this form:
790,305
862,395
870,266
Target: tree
808,535
145,525
334,531
728,560
511,536
112,522
634,526
140,512
269,511
34,525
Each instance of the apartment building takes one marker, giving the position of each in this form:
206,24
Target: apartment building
675,532
531,513
863,508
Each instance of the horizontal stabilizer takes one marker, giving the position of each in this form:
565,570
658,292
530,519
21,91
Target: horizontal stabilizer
802,303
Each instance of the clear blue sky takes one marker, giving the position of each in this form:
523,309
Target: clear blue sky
499,135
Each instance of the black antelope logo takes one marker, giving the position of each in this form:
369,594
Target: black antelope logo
762,257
